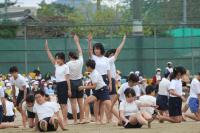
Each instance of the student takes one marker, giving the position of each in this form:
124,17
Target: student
27,111
169,68
163,94
49,88
101,91
175,97
194,99
17,80
47,114
75,69
129,111
62,80
10,110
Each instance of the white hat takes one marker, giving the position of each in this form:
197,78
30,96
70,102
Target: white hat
8,84
170,63
158,69
36,83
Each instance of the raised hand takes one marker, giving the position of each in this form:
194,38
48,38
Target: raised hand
90,37
76,38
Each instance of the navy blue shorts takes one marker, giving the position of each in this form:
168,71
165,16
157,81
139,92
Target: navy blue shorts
62,92
1,114
114,91
102,94
30,114
163,102
8,118
105,79
129,125
194,105
20,97
175,106
75,84
50,126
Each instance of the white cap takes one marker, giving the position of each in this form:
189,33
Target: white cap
158,69
8,84
36,83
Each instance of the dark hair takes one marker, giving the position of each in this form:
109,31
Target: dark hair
134,78
6,96
30,99
149,89
166,74
109,52
128,92
41,92
47,95
100,47
199,73
73,55
60,55
13,69
91,63
176,71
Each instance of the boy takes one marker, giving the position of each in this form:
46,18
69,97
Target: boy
47,114
27,106
101,91
17,80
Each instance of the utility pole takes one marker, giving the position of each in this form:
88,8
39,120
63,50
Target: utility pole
184,11
6,9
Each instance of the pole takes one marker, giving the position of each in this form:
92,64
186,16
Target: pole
25,50
155,49
184,11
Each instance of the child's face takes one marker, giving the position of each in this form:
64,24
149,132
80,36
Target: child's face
130,98
97,52
59,61
131,83
30,104
88,69
39,99
14,74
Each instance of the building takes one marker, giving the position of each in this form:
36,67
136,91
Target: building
72,3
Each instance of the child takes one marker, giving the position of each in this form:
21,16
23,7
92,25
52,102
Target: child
47,114
129,111
17,80
10,110
175,97
194,99
27,108
101,91
62,80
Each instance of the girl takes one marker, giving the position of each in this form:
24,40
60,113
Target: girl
62,80
175,97
75,68
129,111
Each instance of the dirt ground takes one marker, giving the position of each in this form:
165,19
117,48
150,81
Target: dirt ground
184,127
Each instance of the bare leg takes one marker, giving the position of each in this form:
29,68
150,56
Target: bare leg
8,125
31,122
141,119
96,111
114,111
195,116
133,120
86,106
74,109
176,119
64,113
107,104
81,108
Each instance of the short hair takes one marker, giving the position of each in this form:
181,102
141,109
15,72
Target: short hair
41,92
73,55
109,52
128,92
149,89
91,63
13,69
60,55
176,71
100,47
133,77
30,99
166,74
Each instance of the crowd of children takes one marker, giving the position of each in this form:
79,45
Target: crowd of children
94,97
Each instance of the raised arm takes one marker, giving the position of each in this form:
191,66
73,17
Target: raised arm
77,42
49,53
90,49
118,50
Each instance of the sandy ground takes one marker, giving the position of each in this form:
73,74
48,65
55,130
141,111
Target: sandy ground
184,127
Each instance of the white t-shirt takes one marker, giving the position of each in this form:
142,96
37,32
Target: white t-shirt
26,108
75,68
9,108
124,87
45,110
170,70
97,78
164,87
129,108
149,100
112,67
195,88
61,72
1,94
137,90
177,86
19,82
102,64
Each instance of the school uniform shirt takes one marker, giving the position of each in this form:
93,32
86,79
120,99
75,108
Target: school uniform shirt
45,110
61,72
170,70
1,94
75,68
124,87
195,88
97,79
9,108
164,87
129,108
102,64
26,108
20,82
177,86
112,67
147,100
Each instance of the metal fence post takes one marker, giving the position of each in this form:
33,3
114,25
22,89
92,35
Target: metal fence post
155,48
25,50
